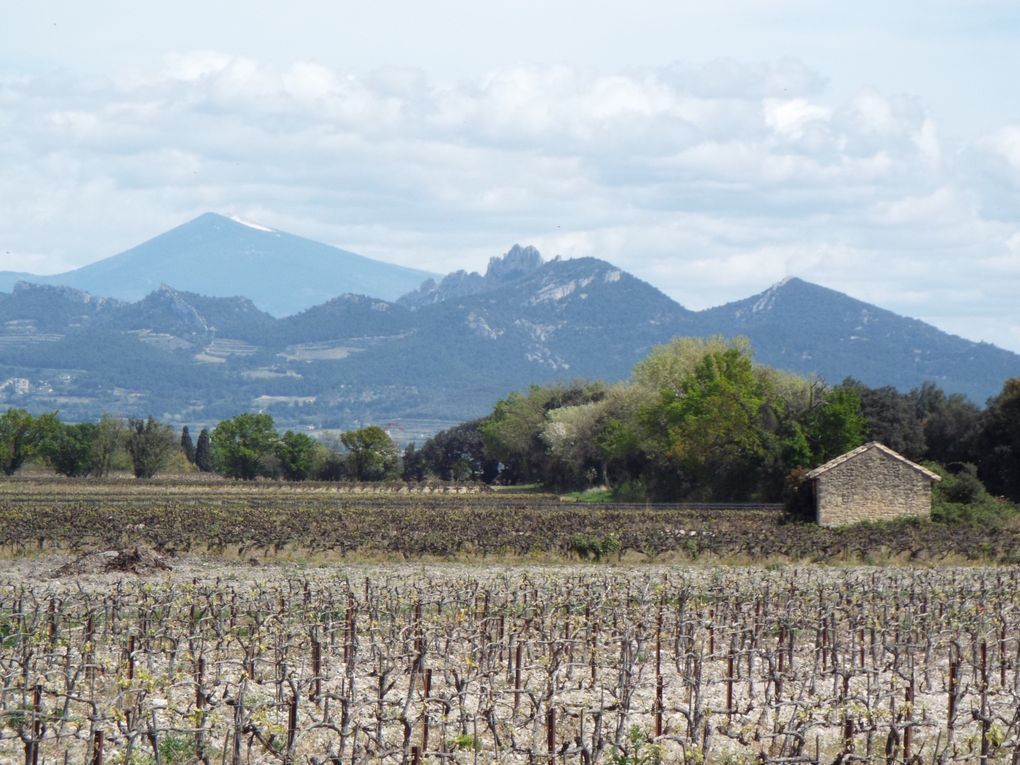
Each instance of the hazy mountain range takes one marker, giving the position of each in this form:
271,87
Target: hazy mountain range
224,257
441,353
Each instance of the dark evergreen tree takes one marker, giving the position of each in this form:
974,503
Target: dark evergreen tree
412,466
951,424
187,445
332,467
891,418
457,454
999,442
203,452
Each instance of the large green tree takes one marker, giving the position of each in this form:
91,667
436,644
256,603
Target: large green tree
512,434
669,366
21,436
242,445
71,448
835,425
713,425
891,418
456,454
372,455
296,453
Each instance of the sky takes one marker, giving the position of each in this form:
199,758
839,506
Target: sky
711,149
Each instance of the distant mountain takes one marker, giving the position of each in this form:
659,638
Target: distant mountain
223,257
806,328
442,354
187,314
567,318
47,308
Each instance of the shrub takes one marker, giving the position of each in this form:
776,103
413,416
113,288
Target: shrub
594,548
960,498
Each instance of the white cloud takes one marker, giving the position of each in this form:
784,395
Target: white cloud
710,181
1006,143
790,116
196,65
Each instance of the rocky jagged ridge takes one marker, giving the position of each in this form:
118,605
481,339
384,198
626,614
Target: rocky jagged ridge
517,263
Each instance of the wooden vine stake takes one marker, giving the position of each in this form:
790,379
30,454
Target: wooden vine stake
729,682
316,670
550,733
425,714
96,758
908,728
986,722
658,674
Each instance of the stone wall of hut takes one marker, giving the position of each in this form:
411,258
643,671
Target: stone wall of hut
871,486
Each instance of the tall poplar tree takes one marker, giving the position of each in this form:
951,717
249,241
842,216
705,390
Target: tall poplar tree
187,445
203,452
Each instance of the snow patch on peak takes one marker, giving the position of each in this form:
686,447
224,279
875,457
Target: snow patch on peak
251,224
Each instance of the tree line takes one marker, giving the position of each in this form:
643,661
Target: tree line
698,420
246,447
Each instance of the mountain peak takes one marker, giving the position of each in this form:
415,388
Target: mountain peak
514,264
764,301
518,261
783,282
252,224
175,305
220,222
219,256
789,292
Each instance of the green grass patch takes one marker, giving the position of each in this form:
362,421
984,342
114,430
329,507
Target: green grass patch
590,495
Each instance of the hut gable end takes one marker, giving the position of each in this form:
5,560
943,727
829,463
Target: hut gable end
871,483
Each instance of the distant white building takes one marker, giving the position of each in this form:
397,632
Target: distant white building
19,386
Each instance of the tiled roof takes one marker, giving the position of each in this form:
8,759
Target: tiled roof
860,450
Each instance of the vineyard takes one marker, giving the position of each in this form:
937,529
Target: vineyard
268,522
225,623
457,664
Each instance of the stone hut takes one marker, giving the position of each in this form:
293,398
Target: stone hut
870,483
